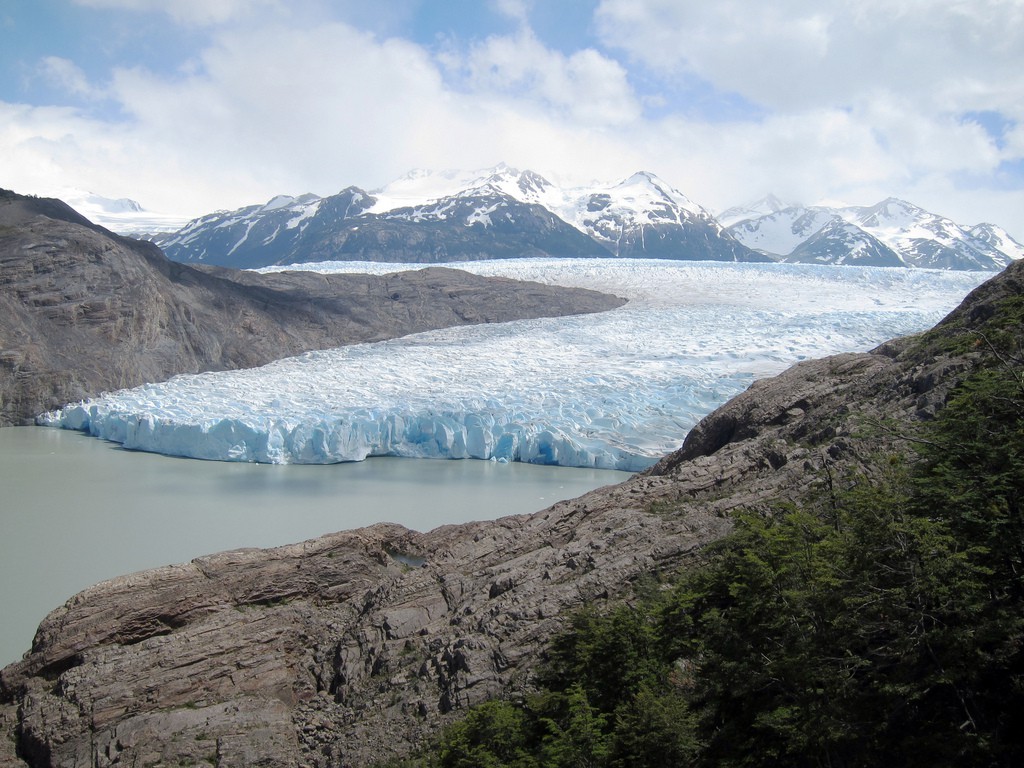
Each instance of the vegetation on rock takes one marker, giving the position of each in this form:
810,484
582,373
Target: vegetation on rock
878,621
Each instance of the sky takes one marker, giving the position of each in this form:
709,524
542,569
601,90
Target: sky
189,106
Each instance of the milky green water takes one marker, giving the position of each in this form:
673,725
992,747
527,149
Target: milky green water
75,510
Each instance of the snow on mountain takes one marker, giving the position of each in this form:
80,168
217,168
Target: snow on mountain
766,206
615,390
842,243
421,188
644,216
612,214
231,238
121,205
780,232
502,212
925,239
413,225
998,238
121,215
430,217
891,228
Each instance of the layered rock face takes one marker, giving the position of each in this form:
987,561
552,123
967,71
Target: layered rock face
353,647
83,310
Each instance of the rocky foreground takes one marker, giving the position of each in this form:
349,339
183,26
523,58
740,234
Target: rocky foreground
83,310
353,647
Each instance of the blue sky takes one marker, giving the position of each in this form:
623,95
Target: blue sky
192,105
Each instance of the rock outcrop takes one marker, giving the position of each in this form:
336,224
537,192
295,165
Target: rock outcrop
83,310
351,648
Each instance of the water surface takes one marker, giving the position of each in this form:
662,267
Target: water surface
76,510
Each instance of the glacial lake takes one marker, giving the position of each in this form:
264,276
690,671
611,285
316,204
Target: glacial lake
76,510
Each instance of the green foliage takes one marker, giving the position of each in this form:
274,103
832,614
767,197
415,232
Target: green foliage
579,740
609,655
610,699
986,328
881,624
654,729
490,736
828,637
973,480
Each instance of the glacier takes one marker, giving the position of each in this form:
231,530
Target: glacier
615,390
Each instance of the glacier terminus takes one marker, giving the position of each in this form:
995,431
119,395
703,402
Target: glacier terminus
615,390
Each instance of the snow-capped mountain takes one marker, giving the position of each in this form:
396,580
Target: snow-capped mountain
840,242
643,216
501,212
422,187
405,223
430,216
778,233
767,205
890,233
999,239
261,232
121,215
637,217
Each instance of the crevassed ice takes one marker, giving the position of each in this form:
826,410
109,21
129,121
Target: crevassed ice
616,390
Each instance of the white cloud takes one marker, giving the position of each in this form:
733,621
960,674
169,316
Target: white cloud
68,77
896,77
324,106
270,106
277,109
795,54
192,12
519,10
586,86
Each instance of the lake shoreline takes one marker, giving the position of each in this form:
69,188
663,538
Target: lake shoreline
79,510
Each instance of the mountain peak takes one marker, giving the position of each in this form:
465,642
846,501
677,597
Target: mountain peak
644,188
765,206
643,178
279,201
891,203
998,238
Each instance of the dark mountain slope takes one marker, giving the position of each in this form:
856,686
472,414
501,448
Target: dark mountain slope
83,310
481,223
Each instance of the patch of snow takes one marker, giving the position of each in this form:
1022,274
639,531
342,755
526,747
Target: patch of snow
304,212
244,237
781,232
121,215
766,206
280,201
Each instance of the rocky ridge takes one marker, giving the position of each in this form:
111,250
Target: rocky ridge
83,310
351,648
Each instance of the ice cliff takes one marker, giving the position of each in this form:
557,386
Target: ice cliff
613,390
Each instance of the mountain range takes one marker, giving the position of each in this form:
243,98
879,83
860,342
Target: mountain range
432,217
892,233
452,216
